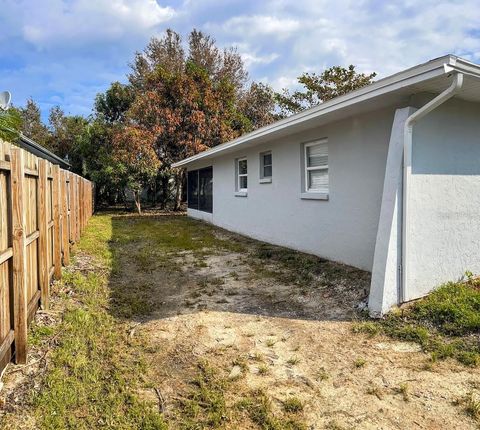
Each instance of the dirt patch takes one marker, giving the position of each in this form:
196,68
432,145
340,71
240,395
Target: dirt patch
281,322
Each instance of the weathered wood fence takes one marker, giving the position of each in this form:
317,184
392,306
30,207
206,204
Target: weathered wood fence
43,211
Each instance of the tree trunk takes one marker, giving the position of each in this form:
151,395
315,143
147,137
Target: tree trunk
178,190
136,196
165,184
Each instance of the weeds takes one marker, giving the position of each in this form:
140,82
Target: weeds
403,389
446,323
359,362
263,370
293,360
259,409
292,405
205,404
472,406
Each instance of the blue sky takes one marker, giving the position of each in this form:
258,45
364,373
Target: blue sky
63,52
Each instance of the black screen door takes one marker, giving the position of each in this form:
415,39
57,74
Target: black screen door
200,189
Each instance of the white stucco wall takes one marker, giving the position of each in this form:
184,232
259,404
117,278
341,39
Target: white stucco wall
344,228
444,197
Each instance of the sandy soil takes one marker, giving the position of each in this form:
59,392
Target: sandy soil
305,339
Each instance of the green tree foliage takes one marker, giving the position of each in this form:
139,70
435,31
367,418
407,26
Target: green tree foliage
32,125
112,105
331,83
10,124
65,134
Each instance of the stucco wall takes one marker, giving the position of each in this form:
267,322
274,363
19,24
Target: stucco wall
344,228
444,197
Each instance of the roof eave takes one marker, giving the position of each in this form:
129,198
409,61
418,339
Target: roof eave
431,69
43,151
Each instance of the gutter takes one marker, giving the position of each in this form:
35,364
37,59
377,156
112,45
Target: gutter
451,91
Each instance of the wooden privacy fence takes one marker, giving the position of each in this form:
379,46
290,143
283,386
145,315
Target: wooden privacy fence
43,211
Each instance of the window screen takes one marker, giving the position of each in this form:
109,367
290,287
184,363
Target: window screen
200,189
316,167
266,165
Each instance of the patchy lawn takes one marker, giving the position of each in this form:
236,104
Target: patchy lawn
166,322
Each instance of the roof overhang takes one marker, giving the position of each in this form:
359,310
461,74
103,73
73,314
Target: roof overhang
38,150
430,77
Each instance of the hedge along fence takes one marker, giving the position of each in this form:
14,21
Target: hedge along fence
43,211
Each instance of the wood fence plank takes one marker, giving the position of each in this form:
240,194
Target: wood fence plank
43,269
65,227
18,243
57,231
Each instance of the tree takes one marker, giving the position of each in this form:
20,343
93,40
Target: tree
137,161
186,101
258,105
32,125
166,52
183,113
65,132
10,124
114,103
332,82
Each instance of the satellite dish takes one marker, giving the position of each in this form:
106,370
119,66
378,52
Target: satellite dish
5,98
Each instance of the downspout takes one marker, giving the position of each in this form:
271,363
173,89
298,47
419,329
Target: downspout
453,89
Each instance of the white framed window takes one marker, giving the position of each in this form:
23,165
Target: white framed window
316,167
266,166
242,175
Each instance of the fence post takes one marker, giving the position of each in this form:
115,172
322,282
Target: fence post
71,235
43,269
65,226
20,306
57,232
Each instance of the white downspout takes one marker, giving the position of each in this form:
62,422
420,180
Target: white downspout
453,89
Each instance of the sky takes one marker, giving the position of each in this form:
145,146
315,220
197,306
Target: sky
64,52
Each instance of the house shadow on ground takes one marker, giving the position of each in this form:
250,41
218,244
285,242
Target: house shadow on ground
166,265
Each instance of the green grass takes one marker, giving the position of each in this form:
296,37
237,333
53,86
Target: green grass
293,405
205,405
94,370
258,407
299,268
446,323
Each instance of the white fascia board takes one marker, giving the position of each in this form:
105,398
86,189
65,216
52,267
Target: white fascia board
412,76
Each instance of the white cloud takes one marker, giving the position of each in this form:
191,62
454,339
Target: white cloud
251,58
82,45
83,21
262,25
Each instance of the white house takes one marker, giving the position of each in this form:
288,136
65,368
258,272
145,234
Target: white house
385,178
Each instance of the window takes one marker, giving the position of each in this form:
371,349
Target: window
200,189
242,175
316,167
266,167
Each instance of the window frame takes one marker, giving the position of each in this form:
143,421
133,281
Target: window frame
241,175
315,168
265,179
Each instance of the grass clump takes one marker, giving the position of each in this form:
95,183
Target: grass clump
293,405
359,362
446,323
472,407
204,406
258,407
